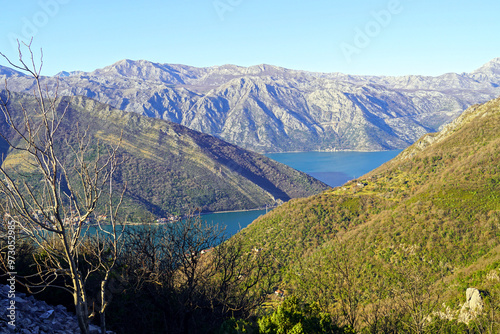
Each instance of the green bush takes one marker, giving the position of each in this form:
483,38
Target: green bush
295,317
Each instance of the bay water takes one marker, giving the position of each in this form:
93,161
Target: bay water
333,168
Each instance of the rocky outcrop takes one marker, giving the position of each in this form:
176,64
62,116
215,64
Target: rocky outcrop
33,316
272,109
470,310
472,307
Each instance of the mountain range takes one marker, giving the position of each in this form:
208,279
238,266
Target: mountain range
272,109
167,168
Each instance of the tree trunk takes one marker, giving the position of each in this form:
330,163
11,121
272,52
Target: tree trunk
103,322
81,314
102,312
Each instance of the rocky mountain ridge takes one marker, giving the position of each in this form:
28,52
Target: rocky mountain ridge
272,109
466,117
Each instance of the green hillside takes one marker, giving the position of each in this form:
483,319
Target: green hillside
428,219
167,168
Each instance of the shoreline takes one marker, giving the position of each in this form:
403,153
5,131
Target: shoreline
235,211
333,151
200,214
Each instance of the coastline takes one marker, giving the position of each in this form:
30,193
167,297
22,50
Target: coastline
334,151
200,215
235,211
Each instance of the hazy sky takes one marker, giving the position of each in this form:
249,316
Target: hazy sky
382,37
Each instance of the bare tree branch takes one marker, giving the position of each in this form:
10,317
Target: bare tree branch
54,212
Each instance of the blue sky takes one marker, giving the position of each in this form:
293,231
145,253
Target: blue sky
380,37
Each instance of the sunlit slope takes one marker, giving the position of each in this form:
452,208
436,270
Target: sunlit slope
439,199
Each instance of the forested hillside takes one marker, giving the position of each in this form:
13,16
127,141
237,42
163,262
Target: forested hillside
166,167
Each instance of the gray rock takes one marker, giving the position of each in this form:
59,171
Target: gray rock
19,299
472,307
94,329
36,317
56,326
268,108
48,315
60,308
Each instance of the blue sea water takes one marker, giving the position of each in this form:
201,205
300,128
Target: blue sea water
334,168
231,222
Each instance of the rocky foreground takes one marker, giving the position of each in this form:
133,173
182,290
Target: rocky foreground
36,317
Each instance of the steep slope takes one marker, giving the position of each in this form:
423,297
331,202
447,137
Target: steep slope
433,213
169,168
272,109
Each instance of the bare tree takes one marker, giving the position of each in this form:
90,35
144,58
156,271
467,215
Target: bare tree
348,281
105,248
333,278
416,291
193,276
54,212
383,313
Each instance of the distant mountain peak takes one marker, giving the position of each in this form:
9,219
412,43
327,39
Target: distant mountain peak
9,72
64,74
268,108
495,61
267,67
491,67
129,64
